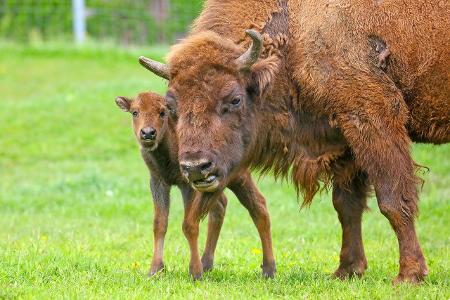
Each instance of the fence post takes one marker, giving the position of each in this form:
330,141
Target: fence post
79,20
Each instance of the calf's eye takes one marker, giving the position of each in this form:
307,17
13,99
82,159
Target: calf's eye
135,114
162,114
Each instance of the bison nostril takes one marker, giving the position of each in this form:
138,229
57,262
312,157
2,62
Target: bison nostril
196,170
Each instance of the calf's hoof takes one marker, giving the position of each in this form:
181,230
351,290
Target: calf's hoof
156,268
269,270
196,271
207,263
351,270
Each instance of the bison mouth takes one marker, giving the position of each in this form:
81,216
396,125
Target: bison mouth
208,184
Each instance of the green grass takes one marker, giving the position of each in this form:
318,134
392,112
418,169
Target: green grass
76,213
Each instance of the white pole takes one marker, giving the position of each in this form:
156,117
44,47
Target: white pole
79,20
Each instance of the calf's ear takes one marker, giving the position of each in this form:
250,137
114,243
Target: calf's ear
262,74
123,103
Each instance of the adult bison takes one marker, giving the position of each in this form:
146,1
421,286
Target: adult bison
330,91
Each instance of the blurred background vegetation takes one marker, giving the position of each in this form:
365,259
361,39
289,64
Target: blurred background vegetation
120,22
75,209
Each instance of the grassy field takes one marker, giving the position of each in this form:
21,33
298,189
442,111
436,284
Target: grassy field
75,211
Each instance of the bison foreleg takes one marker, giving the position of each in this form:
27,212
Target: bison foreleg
372,115
412,262
195,208
249,196
349,200
215,221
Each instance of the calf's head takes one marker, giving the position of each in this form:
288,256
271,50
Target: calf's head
150,117
216,86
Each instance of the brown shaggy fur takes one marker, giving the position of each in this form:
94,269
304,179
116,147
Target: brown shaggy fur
150,110
339,92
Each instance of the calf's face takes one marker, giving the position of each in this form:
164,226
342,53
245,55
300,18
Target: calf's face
150,117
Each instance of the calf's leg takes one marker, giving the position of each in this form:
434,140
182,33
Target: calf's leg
215,221
161,203
250,197
349,200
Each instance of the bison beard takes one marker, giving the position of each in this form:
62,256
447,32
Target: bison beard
337,94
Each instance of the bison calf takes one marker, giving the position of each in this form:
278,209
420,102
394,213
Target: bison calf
154,123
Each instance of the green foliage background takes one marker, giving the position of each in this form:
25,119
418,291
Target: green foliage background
117,21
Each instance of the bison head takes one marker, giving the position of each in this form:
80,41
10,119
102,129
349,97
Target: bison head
216,86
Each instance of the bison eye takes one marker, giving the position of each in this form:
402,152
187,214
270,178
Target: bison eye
135,114
162,114
236,101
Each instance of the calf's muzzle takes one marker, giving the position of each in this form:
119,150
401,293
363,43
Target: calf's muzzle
148,133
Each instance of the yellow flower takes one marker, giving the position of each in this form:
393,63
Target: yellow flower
135,265
256,251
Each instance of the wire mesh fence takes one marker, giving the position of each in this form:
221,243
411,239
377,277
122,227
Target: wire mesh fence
124,22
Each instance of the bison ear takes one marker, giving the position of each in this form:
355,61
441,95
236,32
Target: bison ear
124,103
263,74
171,104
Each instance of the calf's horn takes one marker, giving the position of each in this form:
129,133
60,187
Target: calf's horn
246,60
160,69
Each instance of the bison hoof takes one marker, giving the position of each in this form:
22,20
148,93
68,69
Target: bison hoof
207,263
269,270
349,271
156,268
412,278
414,271
196,271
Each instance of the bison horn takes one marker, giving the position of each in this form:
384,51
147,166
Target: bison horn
246,60
155,67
